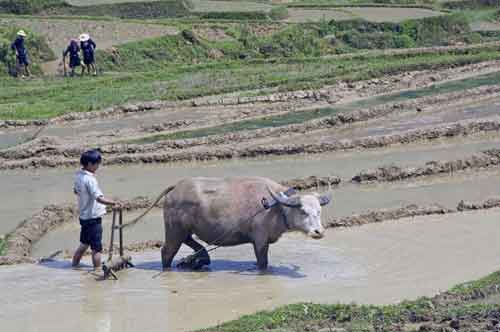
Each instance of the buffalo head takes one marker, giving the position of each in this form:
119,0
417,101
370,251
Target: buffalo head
304,213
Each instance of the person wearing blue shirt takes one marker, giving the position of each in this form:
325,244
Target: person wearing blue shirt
88,48
73,50
22,59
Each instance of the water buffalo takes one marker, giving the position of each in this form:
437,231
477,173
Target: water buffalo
230,211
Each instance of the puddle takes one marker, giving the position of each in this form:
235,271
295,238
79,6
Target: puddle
377,263
41,187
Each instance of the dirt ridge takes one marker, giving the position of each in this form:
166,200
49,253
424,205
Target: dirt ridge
132,156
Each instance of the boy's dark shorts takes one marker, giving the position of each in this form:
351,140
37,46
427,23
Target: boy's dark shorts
91,233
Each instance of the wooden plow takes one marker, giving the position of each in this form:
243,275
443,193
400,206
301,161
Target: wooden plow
120,262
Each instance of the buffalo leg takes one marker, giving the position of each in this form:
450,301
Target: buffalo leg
201,254
261,250
168,251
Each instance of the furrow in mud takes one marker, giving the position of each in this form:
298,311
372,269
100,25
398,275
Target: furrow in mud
485,159
49,146
458,129
339,120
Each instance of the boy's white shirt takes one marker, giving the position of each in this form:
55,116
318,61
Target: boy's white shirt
87,189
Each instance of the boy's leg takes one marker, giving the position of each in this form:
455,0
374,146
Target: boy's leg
79,253
96,244
94,69
96,259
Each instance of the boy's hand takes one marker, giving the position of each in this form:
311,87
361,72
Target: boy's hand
117,205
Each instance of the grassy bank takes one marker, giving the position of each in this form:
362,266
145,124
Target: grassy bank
461,308
298,40
49,97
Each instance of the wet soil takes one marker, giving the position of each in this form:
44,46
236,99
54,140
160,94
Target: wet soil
377,263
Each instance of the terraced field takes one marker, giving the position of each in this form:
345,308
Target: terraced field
401,120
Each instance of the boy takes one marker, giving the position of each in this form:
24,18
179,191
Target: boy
74,56
21,54
91,203
88,47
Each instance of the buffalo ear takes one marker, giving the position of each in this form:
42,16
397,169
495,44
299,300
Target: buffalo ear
325,198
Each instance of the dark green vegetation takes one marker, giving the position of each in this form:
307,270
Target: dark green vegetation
38,50
300,117
29,6
3,245
309,40
156,9
265,122
461,308
472,4
44,98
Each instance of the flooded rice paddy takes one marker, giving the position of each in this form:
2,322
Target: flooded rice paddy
53,186
376,263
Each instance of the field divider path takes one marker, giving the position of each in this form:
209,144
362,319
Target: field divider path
46,154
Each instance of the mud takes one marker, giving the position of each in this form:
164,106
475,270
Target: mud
483,160
376,263
51,146
78,116
57,156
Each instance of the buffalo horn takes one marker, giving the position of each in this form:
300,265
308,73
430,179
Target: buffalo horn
293,202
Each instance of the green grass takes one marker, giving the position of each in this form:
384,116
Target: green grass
264,122
48,97
303,317
151,9
3,244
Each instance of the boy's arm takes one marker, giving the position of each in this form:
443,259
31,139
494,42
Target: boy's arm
97,194
106,201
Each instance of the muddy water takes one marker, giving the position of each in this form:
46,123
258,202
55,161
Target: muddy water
25,192
377,263
398,122
348,200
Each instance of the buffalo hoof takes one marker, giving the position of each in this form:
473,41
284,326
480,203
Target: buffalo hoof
194,262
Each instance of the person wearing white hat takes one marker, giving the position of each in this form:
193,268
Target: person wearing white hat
21,54
88,47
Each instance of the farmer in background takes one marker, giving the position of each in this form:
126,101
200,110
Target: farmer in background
88,47
22,61
73,50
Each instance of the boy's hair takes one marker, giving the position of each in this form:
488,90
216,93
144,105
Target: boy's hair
91,156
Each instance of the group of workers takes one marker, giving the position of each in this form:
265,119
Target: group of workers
83,44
